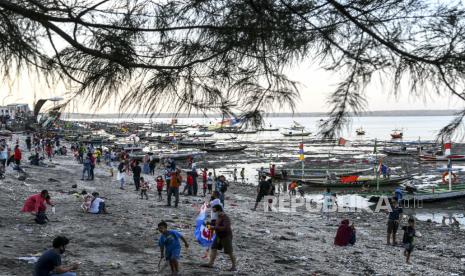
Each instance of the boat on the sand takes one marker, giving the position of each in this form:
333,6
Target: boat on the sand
435,158
432,194
356,181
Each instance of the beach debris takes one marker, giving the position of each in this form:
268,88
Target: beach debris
29,259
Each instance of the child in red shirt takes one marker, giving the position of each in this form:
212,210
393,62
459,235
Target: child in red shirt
160,184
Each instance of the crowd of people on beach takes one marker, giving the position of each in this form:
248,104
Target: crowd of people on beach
168,182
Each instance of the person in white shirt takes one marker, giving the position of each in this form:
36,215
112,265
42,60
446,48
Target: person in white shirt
97,205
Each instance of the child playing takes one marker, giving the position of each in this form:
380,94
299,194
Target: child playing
170,247
144,186
210,182
87,198
409,238
160,184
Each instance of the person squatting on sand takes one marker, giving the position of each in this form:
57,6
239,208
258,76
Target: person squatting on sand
49,263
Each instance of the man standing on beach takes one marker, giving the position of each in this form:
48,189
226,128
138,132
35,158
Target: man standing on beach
176,180
136,170
49,264
17,156
393,223
221,186
263,189
28,142
223,238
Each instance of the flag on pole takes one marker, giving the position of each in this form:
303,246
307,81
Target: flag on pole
344,142
301,152
203,234
447,148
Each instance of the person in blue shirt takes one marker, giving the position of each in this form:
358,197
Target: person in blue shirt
49,264
170,247
398,194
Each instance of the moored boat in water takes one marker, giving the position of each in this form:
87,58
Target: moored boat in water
224,148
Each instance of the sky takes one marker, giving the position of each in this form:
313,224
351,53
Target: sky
316,85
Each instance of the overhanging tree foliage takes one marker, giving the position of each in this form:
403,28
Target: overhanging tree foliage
231,56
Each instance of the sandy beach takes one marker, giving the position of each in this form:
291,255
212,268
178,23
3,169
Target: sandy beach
265,243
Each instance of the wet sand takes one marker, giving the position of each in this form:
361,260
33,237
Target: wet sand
123,242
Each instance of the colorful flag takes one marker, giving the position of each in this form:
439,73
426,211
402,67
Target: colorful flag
301,152
447,148
204,235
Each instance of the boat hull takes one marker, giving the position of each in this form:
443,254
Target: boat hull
292,134
225,149
430,158
360,183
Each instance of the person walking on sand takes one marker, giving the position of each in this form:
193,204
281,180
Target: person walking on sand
223,238
170,247
393,222
243,175
222,186
175,182
263,189
28,142
121,171
144,187
49,264
86,168
92,165
210,183
409,238
235,175
17,156
136,171
204,177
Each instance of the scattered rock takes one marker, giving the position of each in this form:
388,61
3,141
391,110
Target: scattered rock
53,180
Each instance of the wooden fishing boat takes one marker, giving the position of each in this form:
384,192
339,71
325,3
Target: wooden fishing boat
295,133
397,152
436,158
195,143
357,181
5,133
247,131
269,128
226,129
397,134
436,194
179,154
293,174
224,148
200,135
